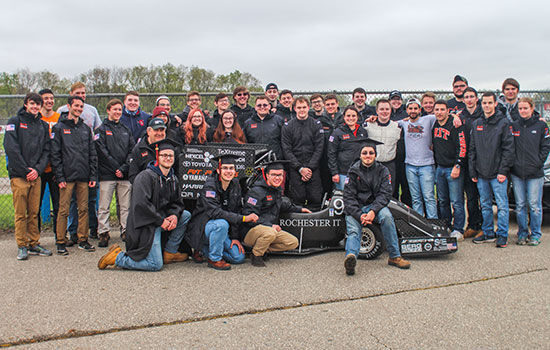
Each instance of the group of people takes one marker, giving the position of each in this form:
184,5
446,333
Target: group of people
469,145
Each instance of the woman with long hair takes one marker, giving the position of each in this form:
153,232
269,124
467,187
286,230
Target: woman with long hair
193,132
228,131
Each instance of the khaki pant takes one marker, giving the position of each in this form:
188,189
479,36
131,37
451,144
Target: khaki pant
65,195
266,239
106,189
26,201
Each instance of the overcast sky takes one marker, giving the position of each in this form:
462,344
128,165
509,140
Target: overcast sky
300,45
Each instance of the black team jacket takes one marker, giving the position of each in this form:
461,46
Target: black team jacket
114,143
532,144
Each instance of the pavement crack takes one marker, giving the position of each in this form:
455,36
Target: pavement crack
379,341
87,333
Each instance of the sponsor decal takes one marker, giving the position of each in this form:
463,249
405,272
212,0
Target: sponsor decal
210,194
252,201
10,127
22,125
67,131
108,132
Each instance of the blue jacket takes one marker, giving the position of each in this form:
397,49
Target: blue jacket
136,122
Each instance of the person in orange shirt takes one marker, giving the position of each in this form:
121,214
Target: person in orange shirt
51,117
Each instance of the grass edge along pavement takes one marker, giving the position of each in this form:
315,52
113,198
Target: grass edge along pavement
73,333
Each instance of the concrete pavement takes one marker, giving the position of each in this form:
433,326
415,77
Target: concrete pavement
480,297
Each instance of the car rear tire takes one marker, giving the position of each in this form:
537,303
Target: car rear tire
372,242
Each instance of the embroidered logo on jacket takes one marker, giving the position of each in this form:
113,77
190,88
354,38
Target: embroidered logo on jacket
10,127
252,201
268,197
479,128
67,131
144,154
253,126
210,194
108,132
22,125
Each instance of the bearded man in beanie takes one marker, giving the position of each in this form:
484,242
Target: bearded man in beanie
155,206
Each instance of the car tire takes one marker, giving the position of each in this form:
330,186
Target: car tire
372,242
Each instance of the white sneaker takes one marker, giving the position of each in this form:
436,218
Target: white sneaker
459,236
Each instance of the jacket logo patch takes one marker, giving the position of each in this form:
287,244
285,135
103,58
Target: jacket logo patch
479,128
252,201
269,198
345,137
108,132
67,131
140,122
253,126
210,194
22,125
515,133
96,137
10,127
52,135
144,154
331,138
534,132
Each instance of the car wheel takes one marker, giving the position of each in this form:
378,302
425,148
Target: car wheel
372,242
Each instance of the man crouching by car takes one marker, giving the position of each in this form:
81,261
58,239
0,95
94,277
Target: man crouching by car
266,200
366,197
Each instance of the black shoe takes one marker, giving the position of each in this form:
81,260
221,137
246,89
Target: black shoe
61,250
349,264
103,240
86,246
257,261
93,234
265,257
74,238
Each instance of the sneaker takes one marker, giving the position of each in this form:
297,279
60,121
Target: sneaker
349,264
502,242
86,246
109,258
459,236
470,232
93,234
522,241
219,265
39,250
257,261
484,239
61,250
22,253
104,240
399,262
533,242
170,258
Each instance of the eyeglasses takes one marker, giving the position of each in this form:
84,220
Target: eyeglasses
262,105
276,175
241,94
316,102
166,156
229,167
194,100
368,153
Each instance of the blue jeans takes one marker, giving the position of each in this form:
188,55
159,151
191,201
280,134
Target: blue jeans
385,219
421,185
488,187
154,261
528,191
341,182
450,191
72,223
219,244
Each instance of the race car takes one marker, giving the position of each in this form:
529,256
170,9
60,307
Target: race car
326,230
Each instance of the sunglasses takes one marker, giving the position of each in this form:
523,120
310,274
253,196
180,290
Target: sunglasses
368,153
241,94
262,105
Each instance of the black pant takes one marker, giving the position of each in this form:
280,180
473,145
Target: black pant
401,180
391,167
310,191
472,202
47,178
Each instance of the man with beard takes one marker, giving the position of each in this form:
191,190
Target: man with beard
265,199
469,115
491,156
155,206
242,109
264,127
302,141
456,104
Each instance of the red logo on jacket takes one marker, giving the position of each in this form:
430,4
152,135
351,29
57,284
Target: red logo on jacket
67,131
22,125
479,128
107,132
140,122
253,126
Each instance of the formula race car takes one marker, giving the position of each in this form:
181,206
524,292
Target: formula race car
326,230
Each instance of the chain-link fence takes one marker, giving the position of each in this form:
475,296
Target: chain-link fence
10,104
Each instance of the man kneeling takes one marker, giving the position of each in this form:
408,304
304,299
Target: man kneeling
366,197
155,206
214,228
266,200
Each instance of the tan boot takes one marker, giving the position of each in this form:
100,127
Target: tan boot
109,258
469,233
170,258
399,262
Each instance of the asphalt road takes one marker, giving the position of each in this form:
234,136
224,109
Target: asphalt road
480,297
